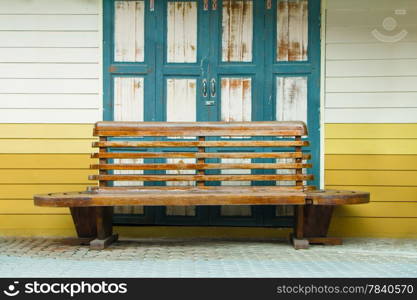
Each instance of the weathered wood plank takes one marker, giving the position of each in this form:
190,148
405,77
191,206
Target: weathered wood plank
124,144
199,166
291,98
292,30
129,21
182,32
234,177
236,95
190,128
128,99
201,155
237,33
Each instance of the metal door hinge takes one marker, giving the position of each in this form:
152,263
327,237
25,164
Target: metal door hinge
213,4
268,4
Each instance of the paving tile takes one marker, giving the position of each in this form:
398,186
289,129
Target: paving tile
37,257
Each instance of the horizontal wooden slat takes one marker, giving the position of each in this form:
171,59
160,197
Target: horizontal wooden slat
173,197
202,155
379,209
228,177
371,146
45,146
383,193
47,22
371,115
24,59
45,131
373,227
201,129
365,177
202,144
375,50
191,188
370,162
26,191
51,7
51,86
371,131
34,176
49,39
27,207
50,115
200,166
45,161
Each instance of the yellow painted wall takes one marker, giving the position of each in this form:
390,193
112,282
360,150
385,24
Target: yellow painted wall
381,159
41,158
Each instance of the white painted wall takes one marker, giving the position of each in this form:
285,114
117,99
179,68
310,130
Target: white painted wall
368,80
50,61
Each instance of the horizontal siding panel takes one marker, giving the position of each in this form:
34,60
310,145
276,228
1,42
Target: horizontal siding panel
45,146
370,162
371,100
50,55
61,131
64,86
26,207
370,146
372,84
373,50
34,71
36,176
353,68
50,115
49,39
366,177
50,7
372,16
374,227
31,222
368,4
49,22
371,131
383,193
362,34
46,161
373,115
378,209
51,101
26,191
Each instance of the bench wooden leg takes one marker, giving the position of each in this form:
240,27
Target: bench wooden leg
297,238
316,224
85,224
104,225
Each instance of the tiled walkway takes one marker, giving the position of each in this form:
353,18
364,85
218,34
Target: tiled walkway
45,257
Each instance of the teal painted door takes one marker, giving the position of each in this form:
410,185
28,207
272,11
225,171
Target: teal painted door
198,60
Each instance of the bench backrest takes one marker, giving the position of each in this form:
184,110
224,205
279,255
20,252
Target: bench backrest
201,153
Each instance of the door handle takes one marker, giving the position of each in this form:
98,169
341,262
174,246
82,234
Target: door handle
204,88
213,87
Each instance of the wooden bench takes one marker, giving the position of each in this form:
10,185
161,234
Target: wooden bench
262,149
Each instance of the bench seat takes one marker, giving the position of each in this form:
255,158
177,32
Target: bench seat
202,163
216,195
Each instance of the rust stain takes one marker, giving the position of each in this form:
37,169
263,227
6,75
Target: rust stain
112,69
224,83
191,85
294,51
235,83
246,86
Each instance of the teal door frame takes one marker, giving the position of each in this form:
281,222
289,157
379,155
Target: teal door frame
263,71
